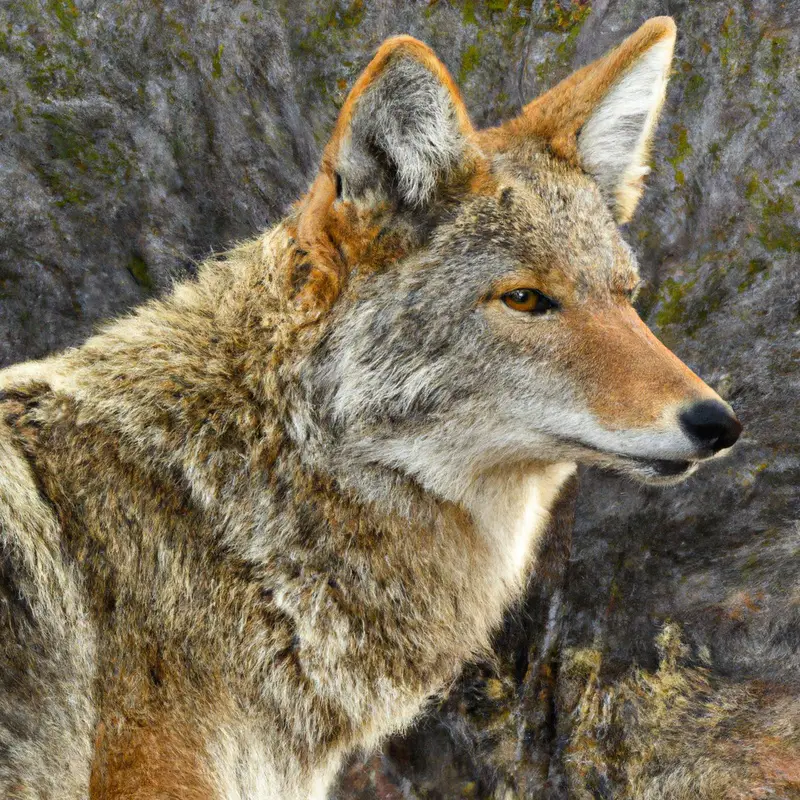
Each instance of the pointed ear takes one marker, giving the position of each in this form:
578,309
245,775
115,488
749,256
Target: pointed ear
402,133
403,128
602,118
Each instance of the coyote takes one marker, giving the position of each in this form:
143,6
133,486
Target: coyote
257,523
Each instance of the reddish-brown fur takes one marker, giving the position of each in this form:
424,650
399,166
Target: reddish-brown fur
557,116
159,759
616,357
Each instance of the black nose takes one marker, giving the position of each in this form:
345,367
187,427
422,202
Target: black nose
711,424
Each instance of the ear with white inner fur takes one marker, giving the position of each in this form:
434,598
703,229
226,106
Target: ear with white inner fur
602,117
614,142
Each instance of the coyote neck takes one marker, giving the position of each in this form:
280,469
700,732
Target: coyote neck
511,509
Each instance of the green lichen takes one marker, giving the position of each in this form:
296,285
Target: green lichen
468,13
323,28
491,8
777,53
694,88
566,19
559,17
673,309
713,296
67,194
56,69
515,18
67,13
81,148
776,212
782,236
20,112
80,160
707,297
188,59
771,87
216,62
780,205
680,140
63,189
725,32
714,150
736,51
469,60
768,117
56,65
755,267
566,48
66,142
176,27
141,274
753,187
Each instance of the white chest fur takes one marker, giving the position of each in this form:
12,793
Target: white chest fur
243,769
511,509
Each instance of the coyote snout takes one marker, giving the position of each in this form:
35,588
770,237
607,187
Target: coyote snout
647,414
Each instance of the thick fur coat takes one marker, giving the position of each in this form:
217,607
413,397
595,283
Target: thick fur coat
259,522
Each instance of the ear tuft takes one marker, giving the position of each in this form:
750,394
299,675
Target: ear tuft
403,128
602,117
402,132
614,141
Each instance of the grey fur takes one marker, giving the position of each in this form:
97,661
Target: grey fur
404,129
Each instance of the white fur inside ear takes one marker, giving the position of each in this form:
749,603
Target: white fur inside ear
613,142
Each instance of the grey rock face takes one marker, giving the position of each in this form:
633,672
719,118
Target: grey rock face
659,654
136,137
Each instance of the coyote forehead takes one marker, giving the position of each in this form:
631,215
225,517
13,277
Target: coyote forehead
551,222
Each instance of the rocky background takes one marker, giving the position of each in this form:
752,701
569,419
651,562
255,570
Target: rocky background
658,652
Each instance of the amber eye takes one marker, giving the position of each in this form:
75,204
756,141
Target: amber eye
530,301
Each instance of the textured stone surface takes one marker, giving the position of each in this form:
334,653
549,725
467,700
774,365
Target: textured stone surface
661,657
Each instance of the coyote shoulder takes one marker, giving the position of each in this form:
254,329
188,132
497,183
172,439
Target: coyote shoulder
258,522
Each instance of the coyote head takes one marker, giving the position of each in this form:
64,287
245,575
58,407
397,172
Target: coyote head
474,289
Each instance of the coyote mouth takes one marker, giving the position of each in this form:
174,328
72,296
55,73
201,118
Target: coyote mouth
656,470
662,471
